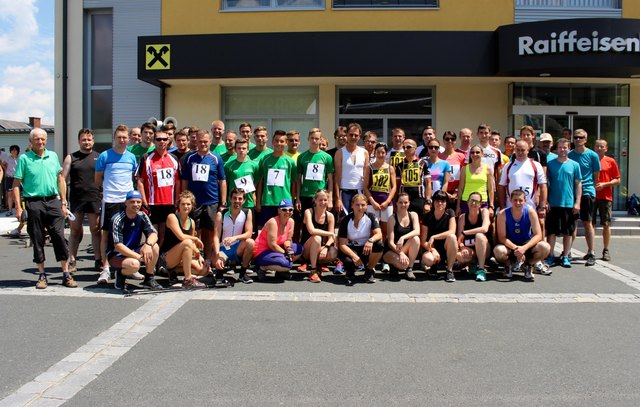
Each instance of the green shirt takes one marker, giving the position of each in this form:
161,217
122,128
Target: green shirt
226,156
220,148
315,169
139,151
39,175
242,175
276,174
257,155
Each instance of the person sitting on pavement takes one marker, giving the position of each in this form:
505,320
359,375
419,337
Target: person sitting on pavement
403,238
519,237
438,236
274,250
181,247
473,232
125,251
232,240
360,241
318,236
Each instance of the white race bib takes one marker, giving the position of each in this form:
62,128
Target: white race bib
455,173
200,172
315,172
436,186
165,177
275,177
245,183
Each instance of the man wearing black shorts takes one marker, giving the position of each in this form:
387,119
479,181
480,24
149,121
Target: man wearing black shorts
79,170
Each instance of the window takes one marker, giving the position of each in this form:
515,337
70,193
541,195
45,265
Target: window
272,5
570,95
527,11
98,113
294,108
383,109
385,4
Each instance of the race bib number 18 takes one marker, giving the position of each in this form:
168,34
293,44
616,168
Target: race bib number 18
200,172
165,177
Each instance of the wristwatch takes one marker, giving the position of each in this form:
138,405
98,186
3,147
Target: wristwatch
428,201
370,240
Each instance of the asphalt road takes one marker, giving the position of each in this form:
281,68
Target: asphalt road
566,339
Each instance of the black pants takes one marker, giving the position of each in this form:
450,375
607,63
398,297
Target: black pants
350,266
46,214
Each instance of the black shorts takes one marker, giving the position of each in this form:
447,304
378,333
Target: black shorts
78,206
8,183
560,221
266,213
205,216
604,207
528,255
159,213
306,202
108,211
587,206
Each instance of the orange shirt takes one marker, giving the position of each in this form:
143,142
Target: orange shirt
608,171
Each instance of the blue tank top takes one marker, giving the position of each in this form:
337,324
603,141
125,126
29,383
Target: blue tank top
519,232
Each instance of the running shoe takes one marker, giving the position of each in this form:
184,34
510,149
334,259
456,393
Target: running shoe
480,274
605,255
339,269
409,275
42,283
192,282
450,277
152,284
314,277
550,261
120,280
245,279
565,262
69,282
591,260
104,276
528,275
542,268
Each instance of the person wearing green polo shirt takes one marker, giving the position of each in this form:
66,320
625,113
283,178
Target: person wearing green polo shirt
147,133
261,137
217,144
241,172
278,174
45,191
244,132
229,154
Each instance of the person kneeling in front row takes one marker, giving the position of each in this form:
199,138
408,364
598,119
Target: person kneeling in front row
519,236
360,241
473,229
274,250
125,251
438,236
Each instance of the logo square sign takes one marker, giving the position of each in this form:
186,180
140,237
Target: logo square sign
158,56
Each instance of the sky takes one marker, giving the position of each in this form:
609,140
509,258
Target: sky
27,60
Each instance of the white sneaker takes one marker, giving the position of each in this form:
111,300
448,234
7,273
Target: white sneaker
137,276
104,276
385,268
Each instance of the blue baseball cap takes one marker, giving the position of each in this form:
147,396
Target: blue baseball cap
285,203
133,195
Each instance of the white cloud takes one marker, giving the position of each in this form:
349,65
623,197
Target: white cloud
25,91
19,25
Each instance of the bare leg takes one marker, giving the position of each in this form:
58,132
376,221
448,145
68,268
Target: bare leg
606,235
75,237
94,228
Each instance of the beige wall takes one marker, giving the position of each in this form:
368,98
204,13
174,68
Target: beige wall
461,105
194,105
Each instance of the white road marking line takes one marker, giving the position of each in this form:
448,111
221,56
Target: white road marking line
610,270
66,378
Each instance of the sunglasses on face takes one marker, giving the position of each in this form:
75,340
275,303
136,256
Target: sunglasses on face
162,139
475,152
287,209
433,147
474,201
409,147
579,137
449,139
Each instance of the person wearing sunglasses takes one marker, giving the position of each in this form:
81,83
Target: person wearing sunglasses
439,169
473,233
340,137
457,160
360,241
476,177
520,240
158,181
438,237
274,250
369,142
350,162
413,177
589,163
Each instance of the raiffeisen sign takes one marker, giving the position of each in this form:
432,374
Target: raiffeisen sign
570,41
581,47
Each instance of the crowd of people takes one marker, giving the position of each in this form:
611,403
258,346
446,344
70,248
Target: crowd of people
201,203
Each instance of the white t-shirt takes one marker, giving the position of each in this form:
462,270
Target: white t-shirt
521,175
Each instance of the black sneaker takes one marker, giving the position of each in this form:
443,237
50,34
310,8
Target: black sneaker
120,280
369,277
152,284
591,260
222,283
605,255
350,279
173,276
450,278
528,275
246,279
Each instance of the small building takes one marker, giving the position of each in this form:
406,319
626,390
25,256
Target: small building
17,133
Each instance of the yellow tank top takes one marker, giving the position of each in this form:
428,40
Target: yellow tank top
475,183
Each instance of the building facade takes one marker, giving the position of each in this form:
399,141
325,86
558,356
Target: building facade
298,64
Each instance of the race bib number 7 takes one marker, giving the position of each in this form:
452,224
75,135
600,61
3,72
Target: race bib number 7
275,177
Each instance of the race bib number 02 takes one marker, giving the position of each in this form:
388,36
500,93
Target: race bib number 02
245,183
275,177
200,172
315,172
165,177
